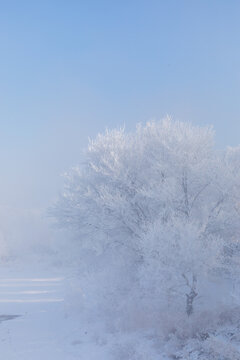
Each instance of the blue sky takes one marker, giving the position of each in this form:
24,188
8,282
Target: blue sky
69,69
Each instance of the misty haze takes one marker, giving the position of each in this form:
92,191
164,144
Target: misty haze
119,190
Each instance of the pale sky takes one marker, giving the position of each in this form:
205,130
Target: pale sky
69,69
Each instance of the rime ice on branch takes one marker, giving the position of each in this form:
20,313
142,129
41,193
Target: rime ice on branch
164,200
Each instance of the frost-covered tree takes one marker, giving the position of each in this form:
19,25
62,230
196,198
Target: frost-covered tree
163,200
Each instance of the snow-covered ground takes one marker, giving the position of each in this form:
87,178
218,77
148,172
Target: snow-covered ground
41,318
33,321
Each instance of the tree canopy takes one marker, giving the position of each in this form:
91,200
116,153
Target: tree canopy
162,198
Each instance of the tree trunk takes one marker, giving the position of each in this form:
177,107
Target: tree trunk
189,301
190,297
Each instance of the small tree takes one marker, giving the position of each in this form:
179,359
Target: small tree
164,199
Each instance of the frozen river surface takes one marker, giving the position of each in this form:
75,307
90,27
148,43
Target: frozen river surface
34,324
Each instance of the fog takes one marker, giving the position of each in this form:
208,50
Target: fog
32,164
